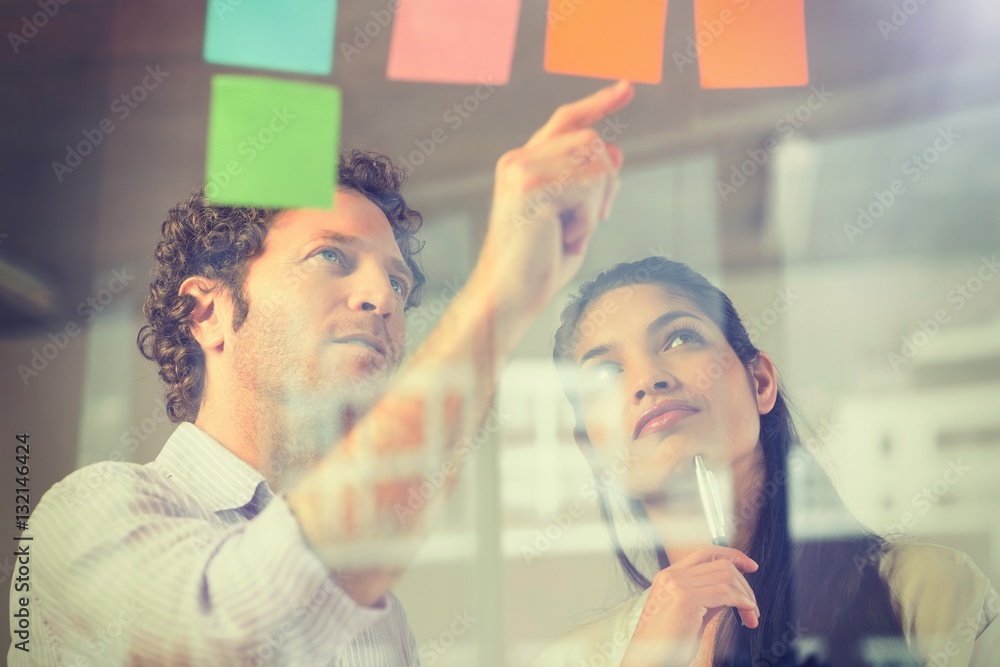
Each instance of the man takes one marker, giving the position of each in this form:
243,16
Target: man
264,532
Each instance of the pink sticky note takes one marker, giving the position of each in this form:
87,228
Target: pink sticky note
453,41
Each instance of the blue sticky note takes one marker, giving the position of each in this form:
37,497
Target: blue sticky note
284,35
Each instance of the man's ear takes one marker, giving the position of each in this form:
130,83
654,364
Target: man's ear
765,380
207,319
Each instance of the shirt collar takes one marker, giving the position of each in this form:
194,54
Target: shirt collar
210,472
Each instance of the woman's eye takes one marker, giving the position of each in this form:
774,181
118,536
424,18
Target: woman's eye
398,286
601,375
682,336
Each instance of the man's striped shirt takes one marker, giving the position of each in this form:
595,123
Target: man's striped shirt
189,560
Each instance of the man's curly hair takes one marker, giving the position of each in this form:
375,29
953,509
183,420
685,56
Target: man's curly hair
219,242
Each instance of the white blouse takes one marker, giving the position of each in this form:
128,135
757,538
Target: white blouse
948,606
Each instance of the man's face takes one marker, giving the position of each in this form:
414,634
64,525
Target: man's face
325,326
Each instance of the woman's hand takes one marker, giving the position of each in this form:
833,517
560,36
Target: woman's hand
683,599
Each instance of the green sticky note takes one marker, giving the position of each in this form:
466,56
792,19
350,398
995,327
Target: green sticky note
286,35
272,143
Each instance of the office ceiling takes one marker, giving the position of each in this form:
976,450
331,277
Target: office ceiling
942,60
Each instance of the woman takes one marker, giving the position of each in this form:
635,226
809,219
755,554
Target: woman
659,368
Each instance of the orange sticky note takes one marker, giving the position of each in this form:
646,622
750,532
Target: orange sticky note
751,43
608,39
453,41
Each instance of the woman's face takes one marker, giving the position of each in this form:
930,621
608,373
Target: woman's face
659,383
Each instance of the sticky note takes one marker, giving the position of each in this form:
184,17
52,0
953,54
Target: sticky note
453,41
284,35
608,39
751,43
272,142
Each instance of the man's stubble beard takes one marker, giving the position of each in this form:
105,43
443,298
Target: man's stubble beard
295,411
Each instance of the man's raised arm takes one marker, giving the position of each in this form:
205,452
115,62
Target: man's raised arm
549,196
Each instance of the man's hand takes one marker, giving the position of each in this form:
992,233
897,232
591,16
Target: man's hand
548,198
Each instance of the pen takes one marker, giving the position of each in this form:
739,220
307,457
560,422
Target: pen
712,504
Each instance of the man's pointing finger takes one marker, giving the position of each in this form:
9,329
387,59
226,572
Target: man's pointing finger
585,112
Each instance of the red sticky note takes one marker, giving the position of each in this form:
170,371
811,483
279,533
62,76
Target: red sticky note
453,41
608,39
751,43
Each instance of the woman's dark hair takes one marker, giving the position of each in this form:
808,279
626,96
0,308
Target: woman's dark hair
828,589
219,242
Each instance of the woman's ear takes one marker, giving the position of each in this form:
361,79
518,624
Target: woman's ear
765,382
206,322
